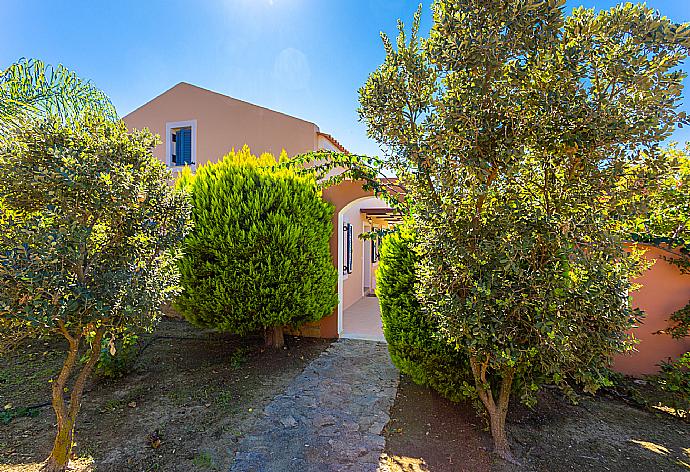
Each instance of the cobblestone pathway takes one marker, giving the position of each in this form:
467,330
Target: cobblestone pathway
330,418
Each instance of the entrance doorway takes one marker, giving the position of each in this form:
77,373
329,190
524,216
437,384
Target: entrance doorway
359,314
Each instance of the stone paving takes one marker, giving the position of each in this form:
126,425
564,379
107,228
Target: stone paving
330,418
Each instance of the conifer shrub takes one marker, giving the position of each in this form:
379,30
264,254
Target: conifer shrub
412,335
258,258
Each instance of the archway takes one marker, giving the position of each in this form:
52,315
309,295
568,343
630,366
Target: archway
343,196
346,196
358,311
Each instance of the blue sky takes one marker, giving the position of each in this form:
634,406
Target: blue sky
306,58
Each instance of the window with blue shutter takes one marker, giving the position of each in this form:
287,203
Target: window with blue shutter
347,229
183,147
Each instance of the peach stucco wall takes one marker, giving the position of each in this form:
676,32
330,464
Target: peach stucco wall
223,123
664,290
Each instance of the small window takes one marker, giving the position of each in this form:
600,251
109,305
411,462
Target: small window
180,143
182,150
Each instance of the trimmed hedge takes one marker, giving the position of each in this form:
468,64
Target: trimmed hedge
259,254
412,337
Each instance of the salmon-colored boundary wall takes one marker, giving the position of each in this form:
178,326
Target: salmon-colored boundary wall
664,290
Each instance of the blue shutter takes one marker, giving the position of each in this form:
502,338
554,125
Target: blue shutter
349,248
187,146
178,148
183,146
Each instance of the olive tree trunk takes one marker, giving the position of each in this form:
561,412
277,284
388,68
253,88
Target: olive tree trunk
497,408
274,338
66,414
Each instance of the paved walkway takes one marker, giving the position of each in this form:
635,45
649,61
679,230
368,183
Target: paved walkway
331,416
362,320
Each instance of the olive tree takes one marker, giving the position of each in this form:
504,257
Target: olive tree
30,88
88,232
514,128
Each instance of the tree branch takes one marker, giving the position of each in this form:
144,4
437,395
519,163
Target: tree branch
77,390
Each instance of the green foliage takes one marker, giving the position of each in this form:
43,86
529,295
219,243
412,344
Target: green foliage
667,203
675,375
31,88
204,460
12,332
88,227
8,414
259,255
412,336
680,323
675,379
88,234
665,223
118,356
239,357
516,132
329,168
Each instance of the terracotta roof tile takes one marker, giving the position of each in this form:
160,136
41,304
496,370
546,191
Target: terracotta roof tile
334,141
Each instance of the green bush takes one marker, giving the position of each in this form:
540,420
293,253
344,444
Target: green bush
674,378
675,375
259,256
117,356
412,336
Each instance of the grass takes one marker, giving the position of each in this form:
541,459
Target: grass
204,460
225,399
8,414
239,357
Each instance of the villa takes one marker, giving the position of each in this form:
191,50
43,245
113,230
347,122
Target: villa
198,126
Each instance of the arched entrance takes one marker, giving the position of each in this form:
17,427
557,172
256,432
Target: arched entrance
343,196
352,204
359,316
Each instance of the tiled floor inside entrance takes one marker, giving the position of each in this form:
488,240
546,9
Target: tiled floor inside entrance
362,320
